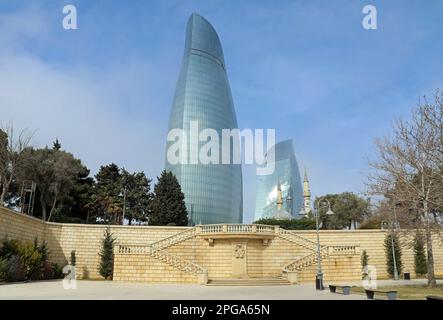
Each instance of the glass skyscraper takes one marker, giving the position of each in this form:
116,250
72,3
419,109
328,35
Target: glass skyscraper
213,192
287,174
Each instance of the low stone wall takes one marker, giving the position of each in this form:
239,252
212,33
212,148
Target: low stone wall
263,260
20,226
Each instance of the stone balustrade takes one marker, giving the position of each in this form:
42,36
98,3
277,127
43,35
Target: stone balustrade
343,250
236,228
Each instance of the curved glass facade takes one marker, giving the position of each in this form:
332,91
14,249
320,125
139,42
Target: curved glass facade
286,172
213,192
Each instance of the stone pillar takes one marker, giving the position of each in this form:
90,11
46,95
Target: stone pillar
202,278
292,276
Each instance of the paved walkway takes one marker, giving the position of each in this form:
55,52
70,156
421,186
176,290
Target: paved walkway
120,290
91,290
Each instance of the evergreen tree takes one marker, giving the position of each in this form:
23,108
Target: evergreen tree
364,259
109,194
73,258
74,207
56,145
168,204
137,196
107,255
419,255
389,255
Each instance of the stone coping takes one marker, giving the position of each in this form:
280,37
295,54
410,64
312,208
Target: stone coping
76,225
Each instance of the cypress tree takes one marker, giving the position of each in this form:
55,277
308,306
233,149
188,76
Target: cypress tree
419,255
389,255
168,204
364,258
107,255
73,258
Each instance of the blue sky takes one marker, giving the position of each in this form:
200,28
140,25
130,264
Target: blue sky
306,68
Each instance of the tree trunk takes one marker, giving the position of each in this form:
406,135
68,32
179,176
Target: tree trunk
2,197
5,187
53,206
43,205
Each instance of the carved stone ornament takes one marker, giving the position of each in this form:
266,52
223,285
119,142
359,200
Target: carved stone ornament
239,251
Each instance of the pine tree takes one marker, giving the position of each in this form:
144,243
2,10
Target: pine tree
419,255
168,204
107,255
389,255
108,194
56,145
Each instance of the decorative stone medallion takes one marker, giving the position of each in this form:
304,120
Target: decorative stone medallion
239,251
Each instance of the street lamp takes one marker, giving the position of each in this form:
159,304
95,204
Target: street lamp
391,226
124,205
317,204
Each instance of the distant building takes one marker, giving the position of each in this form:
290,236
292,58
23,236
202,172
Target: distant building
213,192
306,194
286,177
280,213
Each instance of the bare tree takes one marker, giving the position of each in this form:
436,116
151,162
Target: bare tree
409,171
11,156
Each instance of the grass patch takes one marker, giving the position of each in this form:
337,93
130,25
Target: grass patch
408,292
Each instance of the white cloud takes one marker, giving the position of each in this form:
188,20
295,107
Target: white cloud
94,112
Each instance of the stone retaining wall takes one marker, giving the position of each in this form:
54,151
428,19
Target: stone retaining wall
262,260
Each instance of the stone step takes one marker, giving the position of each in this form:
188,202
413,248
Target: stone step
249,282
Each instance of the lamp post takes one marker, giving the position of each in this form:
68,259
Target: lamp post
317,204
391,226
124,205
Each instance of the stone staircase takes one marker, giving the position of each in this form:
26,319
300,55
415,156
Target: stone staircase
277,281
157,251
308,260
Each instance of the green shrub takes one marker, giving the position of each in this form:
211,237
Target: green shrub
3,269
295,224
420,264
9,248
32,261
23,261
57,271
15,271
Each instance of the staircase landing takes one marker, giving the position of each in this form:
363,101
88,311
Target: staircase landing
279,281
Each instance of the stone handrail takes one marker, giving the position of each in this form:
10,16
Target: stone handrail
132,249
173,260
179,263
312,258
157,251
305,261
171,240
291,236
343,250
236,228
